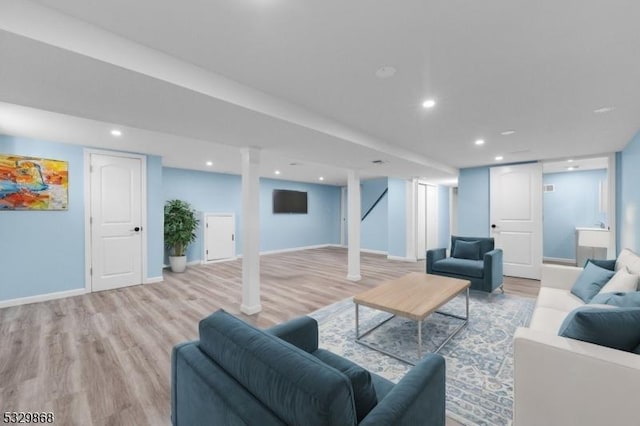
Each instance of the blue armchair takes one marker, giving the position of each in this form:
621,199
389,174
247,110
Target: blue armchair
239,375
472,258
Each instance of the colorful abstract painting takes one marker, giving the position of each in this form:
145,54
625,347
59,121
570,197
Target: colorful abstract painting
33,183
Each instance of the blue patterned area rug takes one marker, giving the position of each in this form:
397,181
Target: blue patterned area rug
479,358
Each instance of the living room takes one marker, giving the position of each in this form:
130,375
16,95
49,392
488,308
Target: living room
401,114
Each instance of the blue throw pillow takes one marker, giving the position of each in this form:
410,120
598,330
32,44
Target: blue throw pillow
622,300
364,394
606,264
590,281
615,328
466,250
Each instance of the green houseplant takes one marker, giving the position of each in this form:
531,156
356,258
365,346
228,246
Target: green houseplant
180,224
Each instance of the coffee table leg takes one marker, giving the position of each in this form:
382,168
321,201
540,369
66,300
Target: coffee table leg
419,340
357,322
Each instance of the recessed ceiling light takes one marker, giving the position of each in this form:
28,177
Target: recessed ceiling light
116,132
321,178
277,172
604,110
209,163
571,168
499,158
570,160
507,132
385,72
429,103
480,142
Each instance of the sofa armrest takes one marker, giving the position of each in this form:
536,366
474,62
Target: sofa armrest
433,256
493,275
558,276
418,399
561,381
301,332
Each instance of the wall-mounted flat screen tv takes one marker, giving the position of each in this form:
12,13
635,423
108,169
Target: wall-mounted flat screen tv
285,201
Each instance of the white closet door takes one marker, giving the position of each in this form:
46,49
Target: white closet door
219,236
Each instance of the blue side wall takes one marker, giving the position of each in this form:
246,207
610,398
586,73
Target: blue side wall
473,202
374,228
628,213
573,203
222,193
43,251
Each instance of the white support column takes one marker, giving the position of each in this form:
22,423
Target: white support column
353,195
250,231
411,188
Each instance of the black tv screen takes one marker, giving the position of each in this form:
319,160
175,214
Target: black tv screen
285,201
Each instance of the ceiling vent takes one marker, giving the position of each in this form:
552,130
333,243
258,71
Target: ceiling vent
549,188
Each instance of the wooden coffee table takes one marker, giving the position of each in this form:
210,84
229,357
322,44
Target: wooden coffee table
414,296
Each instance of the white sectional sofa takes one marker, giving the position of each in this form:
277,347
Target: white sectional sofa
565,382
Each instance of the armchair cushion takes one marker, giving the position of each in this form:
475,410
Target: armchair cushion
467,250
364,393
452,265
615,328
590,281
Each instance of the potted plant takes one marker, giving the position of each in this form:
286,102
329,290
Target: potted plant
180,224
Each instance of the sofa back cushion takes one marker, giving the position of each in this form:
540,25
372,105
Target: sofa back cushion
296,386
467,250
590,282
628,259
615,328
486,244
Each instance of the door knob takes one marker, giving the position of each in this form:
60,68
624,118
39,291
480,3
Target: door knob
493,225
136,229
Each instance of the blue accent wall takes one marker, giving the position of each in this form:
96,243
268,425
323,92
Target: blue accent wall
155,217
473,202
43,251
321,225
444,233
209,192
397,218
573,203
628,212
374,228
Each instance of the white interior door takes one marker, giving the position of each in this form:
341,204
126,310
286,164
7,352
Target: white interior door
516,217
219,236
432,217
421,217
116,221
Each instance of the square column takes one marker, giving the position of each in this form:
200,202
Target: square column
250,231
354,207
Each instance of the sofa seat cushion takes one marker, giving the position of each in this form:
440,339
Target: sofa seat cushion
364,393
452,265
558,299
295,385
615,328
381,385
547,319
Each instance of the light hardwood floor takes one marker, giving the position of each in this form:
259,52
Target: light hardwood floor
104,358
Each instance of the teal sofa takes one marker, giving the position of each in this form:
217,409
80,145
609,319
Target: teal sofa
476,259
239,375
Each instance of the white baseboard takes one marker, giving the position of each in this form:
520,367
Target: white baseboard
559,260
317,246
151,280
373,251
402,259
42,297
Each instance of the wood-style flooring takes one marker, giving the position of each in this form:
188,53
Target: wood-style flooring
104,358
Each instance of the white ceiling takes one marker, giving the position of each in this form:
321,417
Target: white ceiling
298,78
